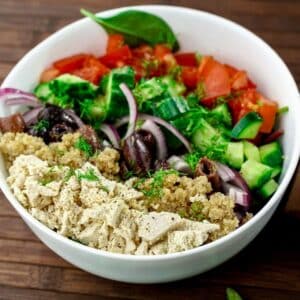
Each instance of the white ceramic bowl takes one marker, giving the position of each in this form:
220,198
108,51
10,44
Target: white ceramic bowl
208,34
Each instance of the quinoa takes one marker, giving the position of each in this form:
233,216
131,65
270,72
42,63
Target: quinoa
61,153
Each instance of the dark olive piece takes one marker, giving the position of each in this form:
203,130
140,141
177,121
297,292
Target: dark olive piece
42,132
13,123
91,136
161,165
58,130
206,167
51,113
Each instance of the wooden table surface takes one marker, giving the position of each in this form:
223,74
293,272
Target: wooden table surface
269,268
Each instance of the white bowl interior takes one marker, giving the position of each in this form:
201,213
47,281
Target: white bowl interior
197,31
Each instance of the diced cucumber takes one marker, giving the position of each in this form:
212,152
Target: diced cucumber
222,113
255,174
235,154
170,108
268,189
42,91
276,171
174,87
271,154
251,151
247,127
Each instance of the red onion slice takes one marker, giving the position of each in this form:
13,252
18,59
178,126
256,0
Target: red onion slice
30,116
240,197
112,134
179,164
74,116
21,101
11,91
161,146
161,122
133,110
225,172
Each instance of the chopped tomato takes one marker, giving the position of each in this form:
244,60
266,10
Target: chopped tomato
49,74
71,63
214,77
189,76
231,70
208,102
250,100
122,54
267,109
273,136
239,80
143,51
92,70
161,50
115,42
187,59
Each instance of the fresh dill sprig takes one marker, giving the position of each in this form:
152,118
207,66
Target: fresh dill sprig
40,125
69,174
155,188
88,175
83,145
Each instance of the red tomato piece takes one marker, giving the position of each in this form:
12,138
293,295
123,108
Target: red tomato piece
92,70
143,51
115,42
239,80
186,59
215,78
161,50
71,63
122,54
267,109
231,70
189,76
49,74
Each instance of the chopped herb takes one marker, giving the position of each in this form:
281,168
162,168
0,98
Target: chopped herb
200,90
282,110
41,125
83,145
69,174
155,189
45,180
128,174
232,294
175,72
88,175
150,66
193,158
103,187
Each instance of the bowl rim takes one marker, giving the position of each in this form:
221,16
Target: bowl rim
206,247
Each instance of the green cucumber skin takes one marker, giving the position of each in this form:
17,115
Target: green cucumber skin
251,151
247,127
276,171
268,189
235,154
255,174
271,154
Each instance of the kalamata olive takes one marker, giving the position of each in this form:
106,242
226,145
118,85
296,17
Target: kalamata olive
137,155
51,113
148,138
13,123
91,136
68,119
161,165
58,130
208,168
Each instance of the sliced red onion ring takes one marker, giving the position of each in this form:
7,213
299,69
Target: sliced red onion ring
30,116
178,163
21,101
225,172
10,91
133,110
161,122
74,116
240,197
112,134
161,146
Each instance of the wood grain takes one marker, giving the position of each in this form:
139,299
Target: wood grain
267,269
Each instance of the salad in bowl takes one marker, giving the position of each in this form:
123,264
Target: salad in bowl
145,149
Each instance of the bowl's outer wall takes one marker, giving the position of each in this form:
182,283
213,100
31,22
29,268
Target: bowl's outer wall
207,34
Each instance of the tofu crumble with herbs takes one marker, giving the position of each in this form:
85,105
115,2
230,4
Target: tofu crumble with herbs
144,150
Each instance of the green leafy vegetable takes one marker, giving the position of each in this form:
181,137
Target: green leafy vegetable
282,110
69,174
232,294
193,158
83,145
137,27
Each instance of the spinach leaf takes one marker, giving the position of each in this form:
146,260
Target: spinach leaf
138,27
